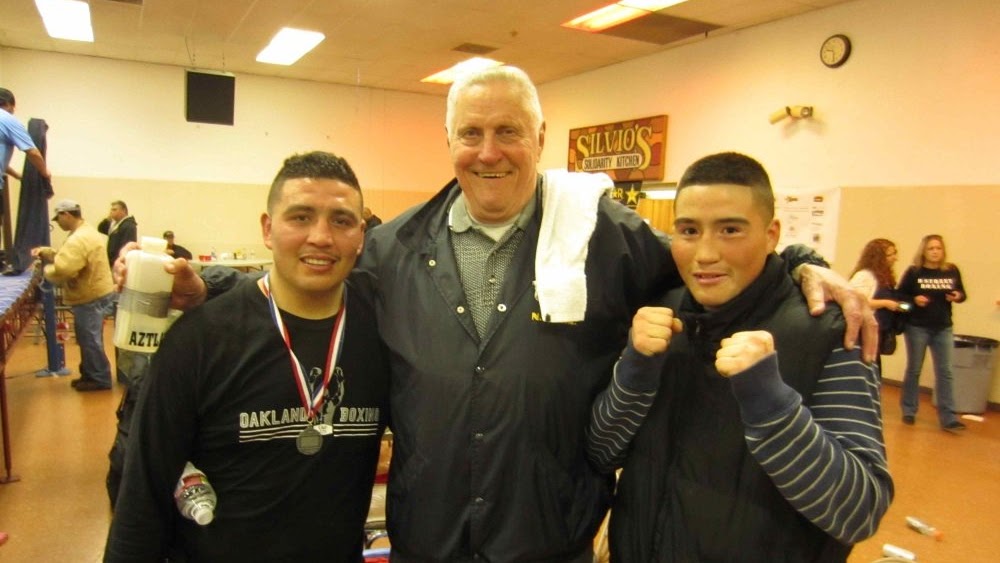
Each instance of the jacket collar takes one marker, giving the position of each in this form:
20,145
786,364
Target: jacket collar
755,303
425,226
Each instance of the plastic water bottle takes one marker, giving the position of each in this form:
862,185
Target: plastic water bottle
897,552
195,496
924,528
214,255
143,306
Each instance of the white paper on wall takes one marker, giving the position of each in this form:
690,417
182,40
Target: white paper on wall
808,217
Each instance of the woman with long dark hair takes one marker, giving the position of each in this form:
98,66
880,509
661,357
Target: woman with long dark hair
874,277
932,284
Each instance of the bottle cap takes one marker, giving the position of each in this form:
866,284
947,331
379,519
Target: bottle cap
153,244
202,514
924,528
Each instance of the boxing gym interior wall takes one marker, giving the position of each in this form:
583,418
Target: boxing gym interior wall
904,115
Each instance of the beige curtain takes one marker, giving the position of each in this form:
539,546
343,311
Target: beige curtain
659,213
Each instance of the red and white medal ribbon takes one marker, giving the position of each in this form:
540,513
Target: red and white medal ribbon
314,399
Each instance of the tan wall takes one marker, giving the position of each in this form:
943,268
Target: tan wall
965,216
203,215
388,204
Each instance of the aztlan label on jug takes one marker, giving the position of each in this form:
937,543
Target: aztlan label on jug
143,308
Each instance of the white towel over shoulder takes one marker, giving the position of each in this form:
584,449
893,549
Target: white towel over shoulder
569,214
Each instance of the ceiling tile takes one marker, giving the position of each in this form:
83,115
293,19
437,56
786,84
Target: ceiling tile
389,44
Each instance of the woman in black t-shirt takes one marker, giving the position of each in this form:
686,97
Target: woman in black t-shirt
932,284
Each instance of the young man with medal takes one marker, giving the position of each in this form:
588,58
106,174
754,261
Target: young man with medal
277,391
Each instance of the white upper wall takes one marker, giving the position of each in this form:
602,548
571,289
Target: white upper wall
119,119
916,104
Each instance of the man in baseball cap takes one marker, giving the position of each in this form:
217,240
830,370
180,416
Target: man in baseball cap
81,268
65,206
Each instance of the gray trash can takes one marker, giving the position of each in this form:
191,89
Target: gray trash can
972,369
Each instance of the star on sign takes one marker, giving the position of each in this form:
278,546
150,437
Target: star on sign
632,196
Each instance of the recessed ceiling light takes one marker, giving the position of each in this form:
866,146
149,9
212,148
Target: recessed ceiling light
288,46
66,19
650,5
448,75
660,193
619,13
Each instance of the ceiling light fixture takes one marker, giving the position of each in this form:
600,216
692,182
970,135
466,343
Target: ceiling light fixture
651,5
289,45
66,19
618,13
661,193
603,18
448,75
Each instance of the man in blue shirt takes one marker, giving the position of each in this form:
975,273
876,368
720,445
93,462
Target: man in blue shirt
13,133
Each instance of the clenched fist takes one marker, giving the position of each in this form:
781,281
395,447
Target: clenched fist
742,350
652,329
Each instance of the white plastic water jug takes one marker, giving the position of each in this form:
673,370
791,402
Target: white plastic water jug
143,305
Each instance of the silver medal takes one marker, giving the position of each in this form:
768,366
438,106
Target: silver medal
309,441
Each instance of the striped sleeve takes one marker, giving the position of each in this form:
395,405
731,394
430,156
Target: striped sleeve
828,458
619,410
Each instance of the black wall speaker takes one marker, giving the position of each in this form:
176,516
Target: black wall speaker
209,97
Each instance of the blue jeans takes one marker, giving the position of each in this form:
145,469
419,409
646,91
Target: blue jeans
88,324
941,342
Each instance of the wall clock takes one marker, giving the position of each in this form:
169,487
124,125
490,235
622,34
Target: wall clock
835,50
